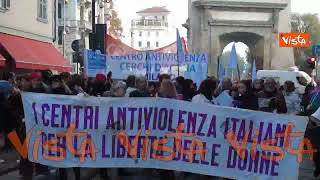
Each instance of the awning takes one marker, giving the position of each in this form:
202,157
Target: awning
33,54
2,61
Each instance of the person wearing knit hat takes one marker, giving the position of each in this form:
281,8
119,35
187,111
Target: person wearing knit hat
58,86
35,76
25,82
101,77
36,84
100,85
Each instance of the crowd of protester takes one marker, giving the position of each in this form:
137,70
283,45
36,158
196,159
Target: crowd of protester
259,95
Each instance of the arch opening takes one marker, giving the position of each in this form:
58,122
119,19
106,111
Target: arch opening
249,47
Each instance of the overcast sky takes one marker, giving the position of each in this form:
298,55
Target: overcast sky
179,11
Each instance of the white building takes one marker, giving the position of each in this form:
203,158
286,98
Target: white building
151,29
26,35
74,21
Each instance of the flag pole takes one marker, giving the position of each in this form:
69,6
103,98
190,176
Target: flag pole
147,62
178,43
238,69
218,67
178,62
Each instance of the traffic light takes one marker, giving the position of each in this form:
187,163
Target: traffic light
75,45
97,40
312,61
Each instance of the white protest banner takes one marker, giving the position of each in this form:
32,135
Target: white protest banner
73,131
94,63
152,64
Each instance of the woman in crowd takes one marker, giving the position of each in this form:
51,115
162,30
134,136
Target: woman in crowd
271,98
37,84
188,90
246,98
162,77
77,85
46,78
224,98
24,83
167,90
305,101
292,98
206,93
10,77
118,89
100,85
131,81
14,114
7,116
152,89
58,86
179,87
142,90
257,86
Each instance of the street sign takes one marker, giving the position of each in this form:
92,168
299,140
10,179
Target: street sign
94,63
316,50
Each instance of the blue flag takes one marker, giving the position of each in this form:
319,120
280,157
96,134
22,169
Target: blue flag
180,50
254,71
233,61
222,71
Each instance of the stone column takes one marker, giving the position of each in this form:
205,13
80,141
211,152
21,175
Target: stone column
215,51
268,55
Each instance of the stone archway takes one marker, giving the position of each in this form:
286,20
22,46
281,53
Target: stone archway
254,41
214,23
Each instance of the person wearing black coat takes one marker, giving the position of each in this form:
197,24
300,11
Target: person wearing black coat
271,99
59,87
246,98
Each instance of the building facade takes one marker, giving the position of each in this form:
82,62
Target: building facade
151,30
213,24
27,30
31,19
73,23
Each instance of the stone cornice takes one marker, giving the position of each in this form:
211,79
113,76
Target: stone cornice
240,23
22,33
238,4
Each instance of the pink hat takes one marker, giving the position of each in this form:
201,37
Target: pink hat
35,76
101,77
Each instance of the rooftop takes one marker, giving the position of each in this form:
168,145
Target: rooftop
154,10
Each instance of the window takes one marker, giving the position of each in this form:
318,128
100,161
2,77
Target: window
157,33
140,43
140,33
5,4
59,10
42,10
60,35
157,44
163,17
149,33
90,16
148,44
